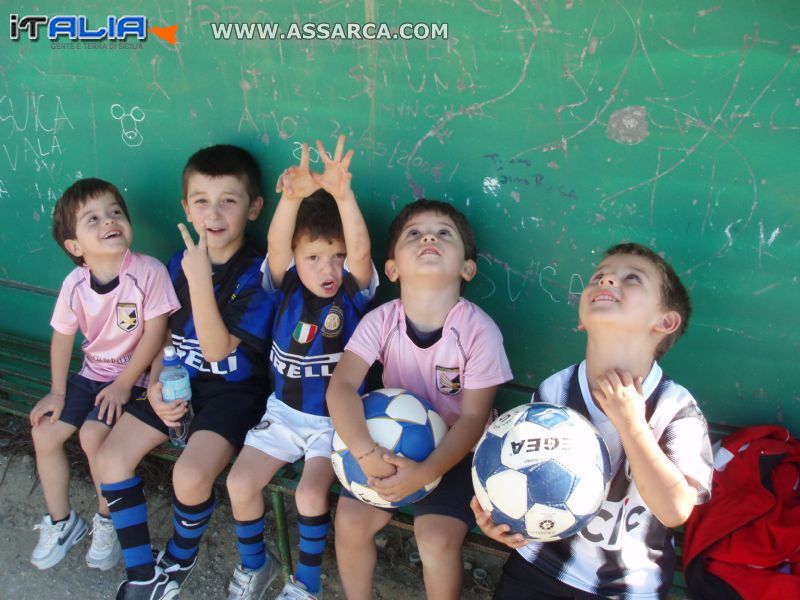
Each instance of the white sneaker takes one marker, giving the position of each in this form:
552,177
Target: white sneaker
55,540
296,590
105,550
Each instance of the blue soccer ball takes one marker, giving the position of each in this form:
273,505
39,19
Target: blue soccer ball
401,422
542,469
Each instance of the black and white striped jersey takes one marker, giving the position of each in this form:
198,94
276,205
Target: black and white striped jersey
625,552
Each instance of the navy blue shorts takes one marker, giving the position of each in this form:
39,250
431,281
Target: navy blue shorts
522,581
227,408
450,498
79,402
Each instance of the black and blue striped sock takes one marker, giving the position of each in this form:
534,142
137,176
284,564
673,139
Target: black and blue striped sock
128,509
313,537
250,541
190,523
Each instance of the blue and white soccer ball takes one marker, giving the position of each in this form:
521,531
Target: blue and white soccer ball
542,469
401,422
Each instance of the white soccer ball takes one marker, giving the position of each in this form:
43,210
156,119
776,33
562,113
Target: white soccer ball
542,469
401,422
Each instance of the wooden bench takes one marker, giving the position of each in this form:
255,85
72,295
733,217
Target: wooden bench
25,378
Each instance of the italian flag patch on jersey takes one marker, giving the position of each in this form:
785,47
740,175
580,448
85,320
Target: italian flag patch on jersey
304,332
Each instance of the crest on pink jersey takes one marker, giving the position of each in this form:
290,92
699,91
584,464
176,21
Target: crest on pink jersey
448,380
127,316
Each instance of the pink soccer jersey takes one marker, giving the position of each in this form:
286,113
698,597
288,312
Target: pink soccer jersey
469,355
112,324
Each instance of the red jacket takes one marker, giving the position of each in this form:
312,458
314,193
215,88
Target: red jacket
749,532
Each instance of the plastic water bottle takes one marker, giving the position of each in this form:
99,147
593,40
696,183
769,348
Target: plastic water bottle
175,385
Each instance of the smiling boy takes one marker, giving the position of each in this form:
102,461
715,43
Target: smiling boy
633,310
220,334
119,300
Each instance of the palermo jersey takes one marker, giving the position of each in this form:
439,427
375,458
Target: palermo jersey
625,552
309,336
468,356
246,309
112,323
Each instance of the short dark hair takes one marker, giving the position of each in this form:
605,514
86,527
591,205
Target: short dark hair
65,213
223,159
673,293
442,208
318,217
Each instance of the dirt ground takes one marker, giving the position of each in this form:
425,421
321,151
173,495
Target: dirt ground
22,505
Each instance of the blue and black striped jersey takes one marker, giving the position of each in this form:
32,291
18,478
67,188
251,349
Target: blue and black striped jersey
309,337
246,309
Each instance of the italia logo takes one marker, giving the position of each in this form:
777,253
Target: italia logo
304,332
77,27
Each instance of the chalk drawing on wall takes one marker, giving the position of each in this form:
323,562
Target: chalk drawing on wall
129,121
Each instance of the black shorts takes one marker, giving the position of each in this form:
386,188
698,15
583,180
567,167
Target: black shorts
79,400
450,498
229,409
522,581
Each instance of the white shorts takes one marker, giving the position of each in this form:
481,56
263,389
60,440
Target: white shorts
289,434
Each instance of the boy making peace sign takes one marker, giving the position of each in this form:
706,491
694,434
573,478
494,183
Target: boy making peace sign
220,333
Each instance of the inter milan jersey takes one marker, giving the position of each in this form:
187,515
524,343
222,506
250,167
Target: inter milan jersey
309,336
245,308
625,552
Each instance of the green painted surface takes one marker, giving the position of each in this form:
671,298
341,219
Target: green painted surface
559,128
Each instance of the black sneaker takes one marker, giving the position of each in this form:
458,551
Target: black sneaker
160,587
174,570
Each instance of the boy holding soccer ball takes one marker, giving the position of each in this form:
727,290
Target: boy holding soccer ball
633,309
438,345
319,272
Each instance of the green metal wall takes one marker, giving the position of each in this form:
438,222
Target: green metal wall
559,128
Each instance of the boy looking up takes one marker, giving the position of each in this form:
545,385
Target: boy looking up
633,309
119,300
436,344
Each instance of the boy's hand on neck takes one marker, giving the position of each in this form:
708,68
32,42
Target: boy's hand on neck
196,262
621,398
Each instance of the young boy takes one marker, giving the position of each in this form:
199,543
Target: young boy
120,301
321,276
633,309
444,348
220,334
